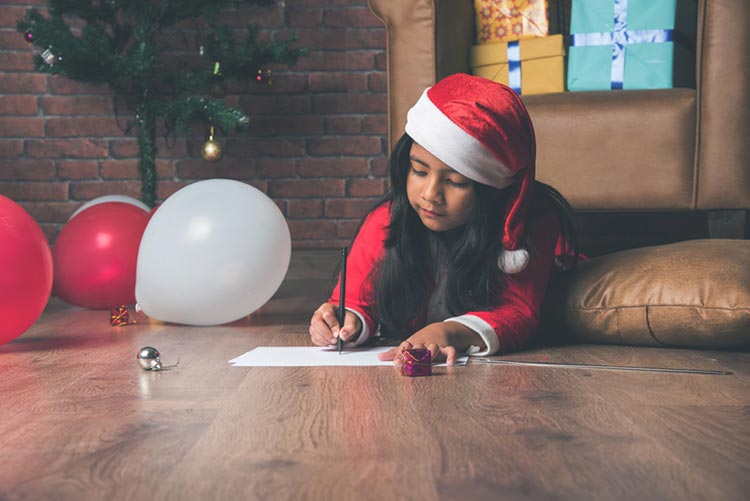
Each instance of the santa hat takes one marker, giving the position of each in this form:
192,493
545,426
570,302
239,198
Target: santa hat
482,130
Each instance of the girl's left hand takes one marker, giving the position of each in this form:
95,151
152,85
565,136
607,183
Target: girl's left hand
443,339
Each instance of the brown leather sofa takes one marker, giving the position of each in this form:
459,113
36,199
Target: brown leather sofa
639,150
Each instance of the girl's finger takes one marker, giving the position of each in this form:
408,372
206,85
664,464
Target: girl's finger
331,320
351,326
434,351
388,355
450,354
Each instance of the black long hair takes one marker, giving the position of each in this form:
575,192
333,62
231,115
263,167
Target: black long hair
404,276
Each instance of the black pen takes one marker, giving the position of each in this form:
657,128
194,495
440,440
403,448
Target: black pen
342,294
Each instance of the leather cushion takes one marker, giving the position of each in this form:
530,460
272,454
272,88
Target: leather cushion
694,293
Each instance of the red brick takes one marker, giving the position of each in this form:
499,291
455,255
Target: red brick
360,60
343,125
276,167
333,167
346,229
11,148
91,190
357,145
365,187
291,125
271,104
311,229
319,244
253,147
350,103
338,82
66,148
381,61
377,82
354,17
11,39
51,212
379,167
321,61
18,105
128,169
83,127
172,148
375,124
27,170
307,188
16,61
301,18
34,191
271,16
323,38
312,3
79,105
349,208
78,169
226,168
283,83
365,39
62,85
22,127
304,208
51,231
123,148
9,15
166,189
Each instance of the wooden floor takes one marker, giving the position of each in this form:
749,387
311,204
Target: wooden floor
79,419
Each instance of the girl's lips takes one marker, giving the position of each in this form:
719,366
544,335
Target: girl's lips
429,213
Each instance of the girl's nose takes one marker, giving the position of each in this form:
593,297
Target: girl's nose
432,192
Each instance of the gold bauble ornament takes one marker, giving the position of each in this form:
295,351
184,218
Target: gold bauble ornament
212,150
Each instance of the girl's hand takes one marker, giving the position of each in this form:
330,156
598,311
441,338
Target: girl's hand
324,326
443,339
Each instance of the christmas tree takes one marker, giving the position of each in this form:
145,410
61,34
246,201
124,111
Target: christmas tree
121,43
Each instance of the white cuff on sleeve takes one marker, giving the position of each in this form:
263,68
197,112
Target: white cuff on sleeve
485,331
364,335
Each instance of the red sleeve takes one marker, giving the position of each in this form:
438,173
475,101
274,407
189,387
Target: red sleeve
366,251
516,317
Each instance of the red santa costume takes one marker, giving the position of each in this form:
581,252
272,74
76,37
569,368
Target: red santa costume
482,130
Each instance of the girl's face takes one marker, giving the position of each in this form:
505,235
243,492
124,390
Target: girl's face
443,198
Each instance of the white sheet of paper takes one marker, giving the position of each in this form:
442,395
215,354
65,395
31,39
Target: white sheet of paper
315,356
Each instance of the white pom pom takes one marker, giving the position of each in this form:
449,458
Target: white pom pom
513,261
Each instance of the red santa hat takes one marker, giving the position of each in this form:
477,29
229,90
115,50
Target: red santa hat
482,130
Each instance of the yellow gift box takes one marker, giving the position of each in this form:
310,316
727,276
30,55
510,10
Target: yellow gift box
542,65
507,20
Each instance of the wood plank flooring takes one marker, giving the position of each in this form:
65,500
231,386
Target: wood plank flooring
79,419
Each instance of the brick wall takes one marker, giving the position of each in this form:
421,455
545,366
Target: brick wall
316,144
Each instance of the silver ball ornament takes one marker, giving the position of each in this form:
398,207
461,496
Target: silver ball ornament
149,358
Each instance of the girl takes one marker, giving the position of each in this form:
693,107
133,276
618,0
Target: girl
457,256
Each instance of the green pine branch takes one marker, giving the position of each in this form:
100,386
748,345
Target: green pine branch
115,42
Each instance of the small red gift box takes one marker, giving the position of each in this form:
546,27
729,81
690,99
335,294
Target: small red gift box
416,362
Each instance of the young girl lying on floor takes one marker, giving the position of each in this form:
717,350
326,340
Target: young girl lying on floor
457,256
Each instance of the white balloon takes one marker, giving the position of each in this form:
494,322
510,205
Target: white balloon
110,198
214,252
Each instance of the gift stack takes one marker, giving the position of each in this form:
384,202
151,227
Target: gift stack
635,44
520,43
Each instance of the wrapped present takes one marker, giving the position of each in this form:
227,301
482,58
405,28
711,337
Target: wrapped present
616,44
416,362
507,20
532,66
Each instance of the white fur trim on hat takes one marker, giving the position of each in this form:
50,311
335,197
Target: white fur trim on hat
513,261
436,133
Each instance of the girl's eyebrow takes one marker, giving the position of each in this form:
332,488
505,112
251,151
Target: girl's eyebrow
425,164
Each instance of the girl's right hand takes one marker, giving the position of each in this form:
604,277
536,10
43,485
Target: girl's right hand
324,326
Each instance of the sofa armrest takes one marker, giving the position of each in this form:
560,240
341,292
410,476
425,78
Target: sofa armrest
416,57
723,133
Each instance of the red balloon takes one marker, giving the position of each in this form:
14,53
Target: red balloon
96,254
25,270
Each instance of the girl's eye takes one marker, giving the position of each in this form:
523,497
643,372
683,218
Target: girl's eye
457,185
418,172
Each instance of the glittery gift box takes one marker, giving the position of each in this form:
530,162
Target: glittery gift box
416,362
508,20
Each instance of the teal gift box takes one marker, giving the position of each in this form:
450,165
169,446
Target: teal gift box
632,44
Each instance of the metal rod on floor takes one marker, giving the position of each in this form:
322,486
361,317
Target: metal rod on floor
601,367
